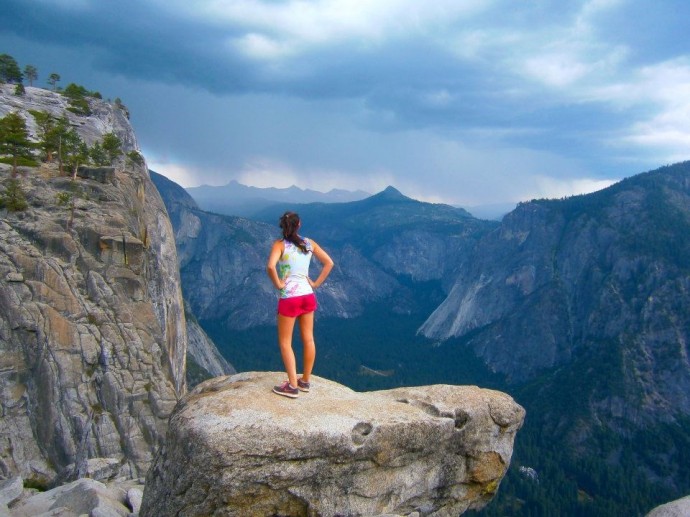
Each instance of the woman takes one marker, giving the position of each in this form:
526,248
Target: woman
292,255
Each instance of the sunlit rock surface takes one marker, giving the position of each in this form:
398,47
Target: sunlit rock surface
235,448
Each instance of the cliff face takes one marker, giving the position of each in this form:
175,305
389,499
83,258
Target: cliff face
222,261
234,448
203,350
600,280
92,327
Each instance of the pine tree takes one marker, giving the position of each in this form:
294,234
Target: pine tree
73,150
112,145
48,141
31,74
98,154
13,199
57,136
53,79
9,69
14,139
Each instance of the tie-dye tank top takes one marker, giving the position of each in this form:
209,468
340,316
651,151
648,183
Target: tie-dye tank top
293,267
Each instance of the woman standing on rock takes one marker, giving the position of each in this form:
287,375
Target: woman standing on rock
292,255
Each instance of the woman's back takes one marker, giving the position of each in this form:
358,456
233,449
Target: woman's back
293,267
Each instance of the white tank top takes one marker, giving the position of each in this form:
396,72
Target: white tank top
293,268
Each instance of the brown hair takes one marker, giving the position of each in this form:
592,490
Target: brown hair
289,223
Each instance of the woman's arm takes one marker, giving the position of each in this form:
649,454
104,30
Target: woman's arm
325,260
273,258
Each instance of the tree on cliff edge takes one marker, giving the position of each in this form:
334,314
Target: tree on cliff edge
9,70
31,74
53,79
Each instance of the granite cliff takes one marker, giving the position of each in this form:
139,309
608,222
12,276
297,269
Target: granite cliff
92,329
602,275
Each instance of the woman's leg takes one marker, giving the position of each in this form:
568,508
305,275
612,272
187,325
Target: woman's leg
286,326
306,330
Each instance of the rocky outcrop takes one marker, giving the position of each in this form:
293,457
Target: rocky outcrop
677,508
92,328
104,118
82,497
234,448
100,174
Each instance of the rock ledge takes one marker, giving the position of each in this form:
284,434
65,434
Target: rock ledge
234,448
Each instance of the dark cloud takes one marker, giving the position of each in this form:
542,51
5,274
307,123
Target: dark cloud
543,89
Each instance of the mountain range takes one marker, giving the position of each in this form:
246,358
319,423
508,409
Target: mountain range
578,307
241,200
235,198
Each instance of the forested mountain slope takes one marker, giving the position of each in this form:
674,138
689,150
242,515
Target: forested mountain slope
602,275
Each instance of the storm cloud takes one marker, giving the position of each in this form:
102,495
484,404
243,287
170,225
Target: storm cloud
457,101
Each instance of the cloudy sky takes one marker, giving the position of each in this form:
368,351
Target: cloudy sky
467,102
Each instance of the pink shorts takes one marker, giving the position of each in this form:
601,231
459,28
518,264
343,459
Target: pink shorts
297,305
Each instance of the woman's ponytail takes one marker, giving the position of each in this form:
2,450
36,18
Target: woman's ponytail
289,223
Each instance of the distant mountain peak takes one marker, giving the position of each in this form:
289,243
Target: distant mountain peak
392,193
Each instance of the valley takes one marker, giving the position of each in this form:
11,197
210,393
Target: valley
578,308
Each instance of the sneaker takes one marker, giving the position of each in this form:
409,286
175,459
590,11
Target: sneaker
303,385
286,390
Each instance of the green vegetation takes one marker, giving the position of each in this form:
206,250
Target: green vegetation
68,199
9,70
57,136
121,107
57,139
98,155
135,157
31,74
77,95
608,479
112,146
14,140
74,151
47,133
13,198
40,485
670,240
53,79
